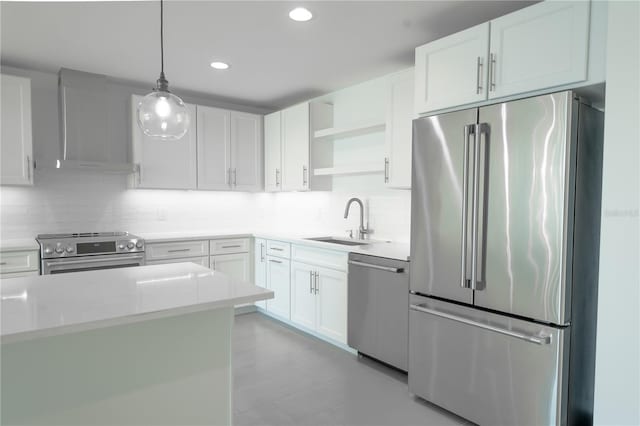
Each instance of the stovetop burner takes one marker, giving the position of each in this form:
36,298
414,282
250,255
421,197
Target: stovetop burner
82,235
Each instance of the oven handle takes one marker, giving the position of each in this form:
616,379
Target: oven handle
110,259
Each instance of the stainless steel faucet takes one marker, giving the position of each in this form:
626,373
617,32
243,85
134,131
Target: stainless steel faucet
362,230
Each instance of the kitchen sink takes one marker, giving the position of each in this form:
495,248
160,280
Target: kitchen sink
334,240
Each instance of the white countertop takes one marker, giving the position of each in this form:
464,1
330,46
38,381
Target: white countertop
49,305
391,250
19,244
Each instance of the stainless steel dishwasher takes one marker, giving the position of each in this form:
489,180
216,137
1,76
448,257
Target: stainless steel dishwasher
378,314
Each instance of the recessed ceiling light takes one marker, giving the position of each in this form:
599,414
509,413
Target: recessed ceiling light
300,14
219,65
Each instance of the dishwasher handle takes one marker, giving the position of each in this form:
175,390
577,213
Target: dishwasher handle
537,339
379,267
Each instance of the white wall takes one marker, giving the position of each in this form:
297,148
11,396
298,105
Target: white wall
78,201
617,385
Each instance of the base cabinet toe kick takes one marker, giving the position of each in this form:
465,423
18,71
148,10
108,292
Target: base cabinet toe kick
485,367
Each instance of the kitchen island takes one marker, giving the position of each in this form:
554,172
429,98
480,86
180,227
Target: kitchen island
147,345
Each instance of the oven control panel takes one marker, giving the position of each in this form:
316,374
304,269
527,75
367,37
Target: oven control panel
79,246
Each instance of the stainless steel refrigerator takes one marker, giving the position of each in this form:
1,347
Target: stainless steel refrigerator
505,225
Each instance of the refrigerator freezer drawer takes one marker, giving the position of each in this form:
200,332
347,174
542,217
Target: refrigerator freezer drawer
490,369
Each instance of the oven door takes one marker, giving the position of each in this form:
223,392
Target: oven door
91,263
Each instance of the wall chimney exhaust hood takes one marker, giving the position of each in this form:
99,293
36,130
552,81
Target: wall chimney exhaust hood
85,121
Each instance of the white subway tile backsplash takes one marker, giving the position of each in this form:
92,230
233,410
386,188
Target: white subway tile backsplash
74,201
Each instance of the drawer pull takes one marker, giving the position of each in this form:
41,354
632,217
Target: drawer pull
178,250
379,267
275,261
3,263
537,339
234,246
277,249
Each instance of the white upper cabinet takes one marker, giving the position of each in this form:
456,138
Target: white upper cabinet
16,145
400,116
272,152
452,70
164,164
214,148
295,148
226,147
543,45
246,151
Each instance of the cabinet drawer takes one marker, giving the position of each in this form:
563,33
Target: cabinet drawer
19,274
19,261
202,261
320,257
177,249
236,245
279,249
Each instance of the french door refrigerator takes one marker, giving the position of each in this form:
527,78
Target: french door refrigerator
505,226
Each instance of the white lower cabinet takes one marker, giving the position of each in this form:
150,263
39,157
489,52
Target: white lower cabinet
303,297
319,300
260,267
202,261
331,304
236,266
278,280
19,263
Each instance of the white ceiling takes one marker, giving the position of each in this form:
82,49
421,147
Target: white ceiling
275,62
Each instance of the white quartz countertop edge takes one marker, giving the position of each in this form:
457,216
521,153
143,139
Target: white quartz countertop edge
391,250
51,305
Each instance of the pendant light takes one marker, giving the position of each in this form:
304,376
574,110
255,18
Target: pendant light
162,114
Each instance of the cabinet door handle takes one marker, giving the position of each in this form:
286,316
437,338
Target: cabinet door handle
139,174
479,76
316,286
262,252
28,168
305,179
235,177
492,72
310,282
277,177
386,169
275,261
178,250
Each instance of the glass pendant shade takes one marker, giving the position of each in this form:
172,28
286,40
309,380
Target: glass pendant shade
163,115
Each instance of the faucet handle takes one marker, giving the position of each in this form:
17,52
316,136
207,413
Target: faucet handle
349,233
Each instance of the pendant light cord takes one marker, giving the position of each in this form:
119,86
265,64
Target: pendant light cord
162,37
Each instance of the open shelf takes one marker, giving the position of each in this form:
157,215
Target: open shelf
351,169
348,131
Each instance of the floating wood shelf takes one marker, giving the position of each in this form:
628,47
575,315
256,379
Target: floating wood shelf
348,131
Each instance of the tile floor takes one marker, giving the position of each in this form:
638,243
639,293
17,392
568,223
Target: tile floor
285,377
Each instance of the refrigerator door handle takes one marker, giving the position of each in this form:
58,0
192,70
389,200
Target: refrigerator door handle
540,339
474,206
478,205
468,129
